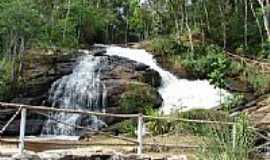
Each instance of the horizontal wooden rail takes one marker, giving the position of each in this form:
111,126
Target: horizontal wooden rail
140,118
189,120
76,143
72,111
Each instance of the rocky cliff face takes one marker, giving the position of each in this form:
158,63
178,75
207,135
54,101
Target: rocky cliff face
130,85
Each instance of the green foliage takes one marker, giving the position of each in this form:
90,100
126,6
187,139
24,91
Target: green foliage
221,146
167,45
265,52
5,72
232,102
158,126
127,127
136,98
259,81
163,126
201,114
218,138
219,66
64,23
208,61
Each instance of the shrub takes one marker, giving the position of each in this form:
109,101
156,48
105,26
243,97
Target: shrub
162,126
167,45
5,81
232,102
265,52
206,60
259,81
127,126
158,126
136,97
201,114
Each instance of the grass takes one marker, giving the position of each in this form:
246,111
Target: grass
223,146
216,140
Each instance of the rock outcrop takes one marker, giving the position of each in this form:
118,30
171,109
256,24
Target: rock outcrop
130,85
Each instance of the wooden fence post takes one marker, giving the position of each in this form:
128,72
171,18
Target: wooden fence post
22,131
234,136
140,134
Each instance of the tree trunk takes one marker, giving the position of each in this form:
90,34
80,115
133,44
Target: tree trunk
265,16
206,15
257,20
223,25
189,35
67,16
246,25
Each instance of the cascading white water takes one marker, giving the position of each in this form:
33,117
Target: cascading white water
81,90
177,94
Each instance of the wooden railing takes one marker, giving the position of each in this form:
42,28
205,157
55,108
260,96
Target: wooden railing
21,108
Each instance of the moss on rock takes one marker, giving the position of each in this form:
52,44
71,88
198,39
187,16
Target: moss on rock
137,97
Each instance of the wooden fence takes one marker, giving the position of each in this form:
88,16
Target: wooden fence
22,109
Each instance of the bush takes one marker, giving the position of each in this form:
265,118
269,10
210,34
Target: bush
265,52
137,97
127,126
201,63
259,81
232,102
201,114
167,45
5,81
161,126
158,126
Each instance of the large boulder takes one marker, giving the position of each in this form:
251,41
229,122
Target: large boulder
131,86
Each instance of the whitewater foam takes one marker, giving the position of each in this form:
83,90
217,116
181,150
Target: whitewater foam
177,94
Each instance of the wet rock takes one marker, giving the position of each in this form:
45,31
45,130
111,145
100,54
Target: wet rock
100,52
34,122
121,77
130,84
40,69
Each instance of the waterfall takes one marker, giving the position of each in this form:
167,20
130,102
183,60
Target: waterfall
177,94
81,90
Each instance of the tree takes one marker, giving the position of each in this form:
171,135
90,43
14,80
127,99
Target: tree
266,14
219,67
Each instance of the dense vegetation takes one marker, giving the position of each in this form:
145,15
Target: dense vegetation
58,24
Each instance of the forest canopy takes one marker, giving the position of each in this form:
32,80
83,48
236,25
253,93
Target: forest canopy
73,23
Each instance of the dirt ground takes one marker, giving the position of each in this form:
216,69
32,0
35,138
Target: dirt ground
102,142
